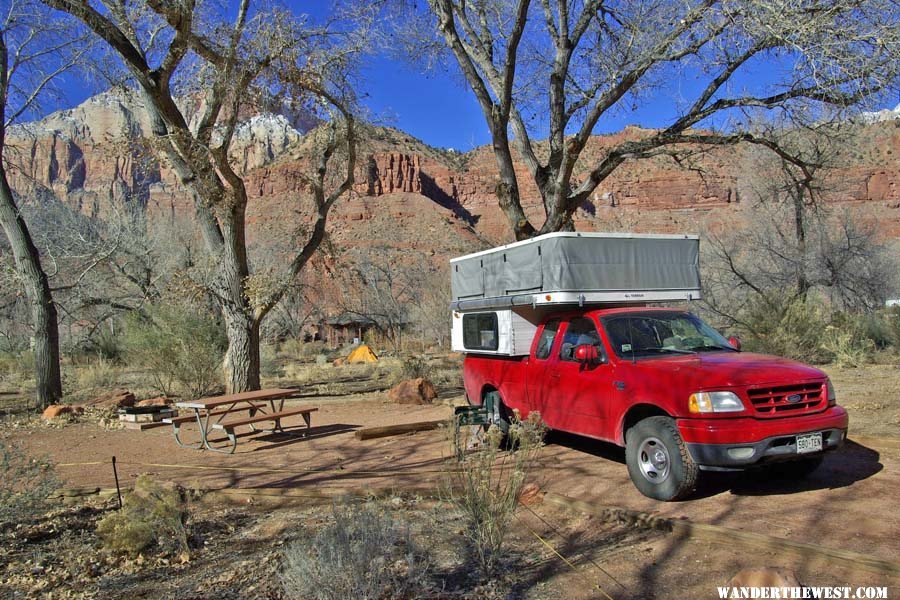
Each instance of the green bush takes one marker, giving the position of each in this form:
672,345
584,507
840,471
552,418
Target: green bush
847,347
794,329
25,483
153,516
363,553
181,349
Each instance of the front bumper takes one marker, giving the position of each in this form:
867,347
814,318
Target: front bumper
743,442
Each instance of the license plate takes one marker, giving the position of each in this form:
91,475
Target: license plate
810,442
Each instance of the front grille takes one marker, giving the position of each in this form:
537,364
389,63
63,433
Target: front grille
773,401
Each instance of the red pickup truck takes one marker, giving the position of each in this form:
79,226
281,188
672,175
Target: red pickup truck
669,388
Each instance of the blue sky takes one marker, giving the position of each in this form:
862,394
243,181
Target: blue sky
437,108
434,106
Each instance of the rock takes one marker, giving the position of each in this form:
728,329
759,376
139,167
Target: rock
764,577
413,391
57,410
338,362
158,401
531,495
115,399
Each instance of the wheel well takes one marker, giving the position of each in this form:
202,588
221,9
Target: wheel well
638,413
487,389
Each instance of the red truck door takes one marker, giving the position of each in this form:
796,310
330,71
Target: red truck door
574,396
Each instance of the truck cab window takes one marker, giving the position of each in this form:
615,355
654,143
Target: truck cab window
545,342
580,331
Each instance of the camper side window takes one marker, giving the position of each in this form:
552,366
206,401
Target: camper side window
480,331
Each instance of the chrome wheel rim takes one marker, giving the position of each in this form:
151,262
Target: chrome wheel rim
653,459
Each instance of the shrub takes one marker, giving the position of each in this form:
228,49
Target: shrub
413,367
25,483
99,375
268,361
106,344
849,348
298,350
152,516
18,365
892,324
487,485
793,329
181,349
363,553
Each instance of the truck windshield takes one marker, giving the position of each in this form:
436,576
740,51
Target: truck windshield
660,333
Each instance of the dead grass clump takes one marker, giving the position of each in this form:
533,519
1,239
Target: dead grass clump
25,483
363,553
153,516
101,374
487,484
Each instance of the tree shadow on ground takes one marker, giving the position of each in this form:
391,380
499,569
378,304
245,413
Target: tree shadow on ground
596,448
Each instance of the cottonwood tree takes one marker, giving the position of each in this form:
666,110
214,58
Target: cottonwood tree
560,68
35,50
197,72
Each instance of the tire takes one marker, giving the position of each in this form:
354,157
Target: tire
501,413
796,469
658,462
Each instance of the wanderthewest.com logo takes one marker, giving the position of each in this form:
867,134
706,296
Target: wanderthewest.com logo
728,592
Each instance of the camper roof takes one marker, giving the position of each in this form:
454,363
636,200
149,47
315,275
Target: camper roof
579,268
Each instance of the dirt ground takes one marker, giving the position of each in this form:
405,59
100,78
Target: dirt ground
846,505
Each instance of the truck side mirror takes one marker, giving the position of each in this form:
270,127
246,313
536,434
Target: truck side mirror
735,342
587,354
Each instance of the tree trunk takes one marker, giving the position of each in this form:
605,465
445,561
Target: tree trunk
241,363
44,320
803,284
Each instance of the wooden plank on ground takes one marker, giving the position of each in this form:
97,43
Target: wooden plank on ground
717,533
368,433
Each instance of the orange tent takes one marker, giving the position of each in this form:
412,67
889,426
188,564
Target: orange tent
362,354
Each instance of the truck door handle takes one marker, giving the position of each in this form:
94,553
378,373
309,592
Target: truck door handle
554,375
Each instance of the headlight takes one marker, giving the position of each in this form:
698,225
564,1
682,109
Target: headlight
715,402
832,395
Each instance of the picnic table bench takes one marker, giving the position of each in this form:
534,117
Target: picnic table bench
260,406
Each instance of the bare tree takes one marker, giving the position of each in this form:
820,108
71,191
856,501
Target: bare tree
793,246
221,67
35,49
384,289
559,67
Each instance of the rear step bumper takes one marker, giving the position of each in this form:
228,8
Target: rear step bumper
777,448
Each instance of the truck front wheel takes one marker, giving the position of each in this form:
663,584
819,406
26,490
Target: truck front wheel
658,461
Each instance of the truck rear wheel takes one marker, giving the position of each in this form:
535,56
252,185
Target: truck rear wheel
658,462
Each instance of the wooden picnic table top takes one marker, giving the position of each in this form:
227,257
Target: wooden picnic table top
214,401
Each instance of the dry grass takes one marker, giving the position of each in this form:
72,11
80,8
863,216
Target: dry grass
364,552
487,485
153,516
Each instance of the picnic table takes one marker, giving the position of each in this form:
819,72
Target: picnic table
260,405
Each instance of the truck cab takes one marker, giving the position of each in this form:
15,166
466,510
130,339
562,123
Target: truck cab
669,388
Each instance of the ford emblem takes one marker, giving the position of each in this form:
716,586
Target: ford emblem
794,398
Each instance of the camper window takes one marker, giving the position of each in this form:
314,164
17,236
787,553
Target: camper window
480,331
